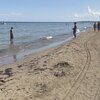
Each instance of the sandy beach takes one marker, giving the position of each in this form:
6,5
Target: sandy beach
70,71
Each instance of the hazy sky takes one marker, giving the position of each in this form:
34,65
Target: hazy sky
49,10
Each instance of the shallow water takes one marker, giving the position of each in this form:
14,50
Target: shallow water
32,36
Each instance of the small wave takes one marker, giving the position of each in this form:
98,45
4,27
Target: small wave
85,27
78,31
49,37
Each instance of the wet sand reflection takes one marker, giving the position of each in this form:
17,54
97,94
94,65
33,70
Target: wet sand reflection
13,50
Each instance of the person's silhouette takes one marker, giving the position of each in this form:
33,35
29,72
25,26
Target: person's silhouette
11,34
94,26
74,30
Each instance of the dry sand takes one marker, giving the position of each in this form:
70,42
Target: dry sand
70,71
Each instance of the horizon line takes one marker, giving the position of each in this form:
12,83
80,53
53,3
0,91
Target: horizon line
50,21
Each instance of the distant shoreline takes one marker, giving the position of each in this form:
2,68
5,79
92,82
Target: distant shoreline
44,21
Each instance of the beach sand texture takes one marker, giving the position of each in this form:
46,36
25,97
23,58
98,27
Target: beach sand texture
70,71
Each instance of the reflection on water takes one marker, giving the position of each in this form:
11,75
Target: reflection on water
12,50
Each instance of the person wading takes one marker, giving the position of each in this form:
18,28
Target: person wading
11,34
74,30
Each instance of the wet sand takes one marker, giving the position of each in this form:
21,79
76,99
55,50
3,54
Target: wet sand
70,71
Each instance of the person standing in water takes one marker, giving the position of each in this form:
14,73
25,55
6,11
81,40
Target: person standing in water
11,34
74,30
13,50
94,26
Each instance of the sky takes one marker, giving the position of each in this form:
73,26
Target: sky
49,10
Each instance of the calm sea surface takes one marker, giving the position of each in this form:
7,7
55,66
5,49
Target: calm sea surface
33,36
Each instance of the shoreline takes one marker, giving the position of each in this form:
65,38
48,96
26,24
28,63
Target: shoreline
29,39
10,59
68,71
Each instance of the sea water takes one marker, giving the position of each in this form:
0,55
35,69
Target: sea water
34,36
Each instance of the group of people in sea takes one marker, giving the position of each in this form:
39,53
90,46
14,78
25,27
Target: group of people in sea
74,32
96,26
